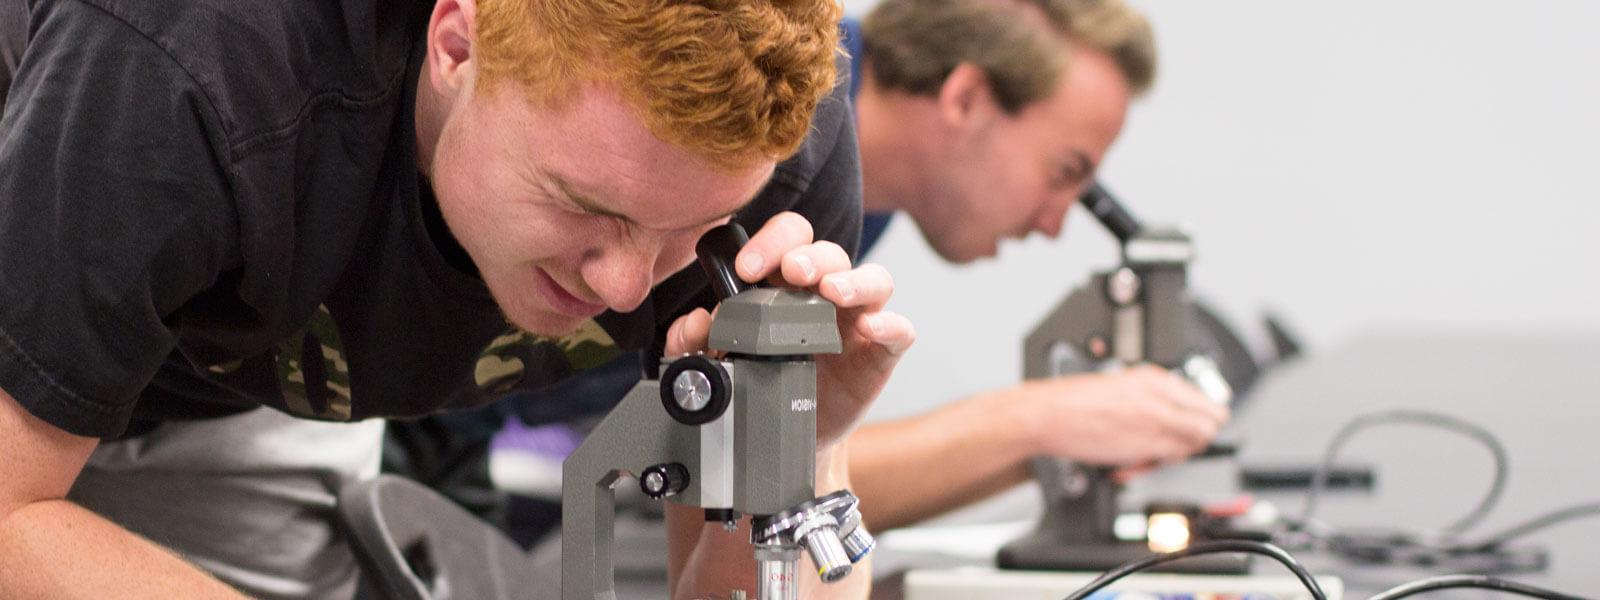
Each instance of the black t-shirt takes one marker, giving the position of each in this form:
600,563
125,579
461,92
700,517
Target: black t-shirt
213,205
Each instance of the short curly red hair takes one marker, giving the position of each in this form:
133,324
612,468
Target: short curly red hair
731,79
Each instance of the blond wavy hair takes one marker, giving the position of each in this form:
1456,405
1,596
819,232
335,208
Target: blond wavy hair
731,79
913,45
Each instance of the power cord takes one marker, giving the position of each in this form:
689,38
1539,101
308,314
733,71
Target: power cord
1502,468
1219,547
1445,582
1549,519
1442,548
1306,579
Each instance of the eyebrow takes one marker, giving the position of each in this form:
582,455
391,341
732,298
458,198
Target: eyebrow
583,201
590,205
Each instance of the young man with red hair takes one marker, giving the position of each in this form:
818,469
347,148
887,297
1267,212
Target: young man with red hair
217,215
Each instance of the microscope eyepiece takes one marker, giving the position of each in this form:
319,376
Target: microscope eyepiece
715,252
1110,212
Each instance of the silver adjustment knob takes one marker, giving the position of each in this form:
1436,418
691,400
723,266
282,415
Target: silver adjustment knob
692,389
1123,287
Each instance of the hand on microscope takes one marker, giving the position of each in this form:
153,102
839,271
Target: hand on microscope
1134,418
784,253
913,469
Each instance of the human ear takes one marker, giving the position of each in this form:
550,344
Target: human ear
449,38
966,100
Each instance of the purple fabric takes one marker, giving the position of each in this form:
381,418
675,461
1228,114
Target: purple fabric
553,441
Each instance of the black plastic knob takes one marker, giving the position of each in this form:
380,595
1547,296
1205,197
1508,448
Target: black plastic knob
663,480
695,390
716,251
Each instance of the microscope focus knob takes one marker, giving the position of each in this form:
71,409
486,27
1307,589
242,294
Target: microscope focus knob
695,390
663,480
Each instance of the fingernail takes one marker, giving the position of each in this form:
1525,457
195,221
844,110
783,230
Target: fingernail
846,291
752,263
806,268
875,323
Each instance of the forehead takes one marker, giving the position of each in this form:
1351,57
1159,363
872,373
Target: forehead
599,145
1089,102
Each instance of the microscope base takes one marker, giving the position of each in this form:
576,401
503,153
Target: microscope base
1047,552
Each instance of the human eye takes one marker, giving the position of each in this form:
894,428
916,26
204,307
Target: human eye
1066,176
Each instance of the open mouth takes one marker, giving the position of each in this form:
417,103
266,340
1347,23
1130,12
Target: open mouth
564,301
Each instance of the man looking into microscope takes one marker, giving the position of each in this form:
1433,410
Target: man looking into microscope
983,120
216,216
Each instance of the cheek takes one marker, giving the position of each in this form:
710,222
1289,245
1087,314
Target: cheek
1012,186
677,253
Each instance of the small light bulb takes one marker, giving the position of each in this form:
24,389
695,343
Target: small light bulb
1168,532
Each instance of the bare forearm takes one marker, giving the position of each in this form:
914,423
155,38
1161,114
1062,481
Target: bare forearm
707,561
55,549
914,469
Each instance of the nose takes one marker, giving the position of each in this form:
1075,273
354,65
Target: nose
1053,216
622,274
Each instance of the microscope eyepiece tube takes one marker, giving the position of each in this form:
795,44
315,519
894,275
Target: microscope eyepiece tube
1110,212
715,252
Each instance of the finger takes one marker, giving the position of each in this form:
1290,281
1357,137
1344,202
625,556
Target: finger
1181,433
868,286
762,255
689,333
1175,450
1180,393
892,331
1127,474
1189,398
806,265
1192,433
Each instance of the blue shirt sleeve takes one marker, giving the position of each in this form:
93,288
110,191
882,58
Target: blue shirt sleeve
872,224
850,36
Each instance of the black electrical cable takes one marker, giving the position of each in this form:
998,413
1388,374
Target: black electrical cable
1219,547
1441,582
1483,582
1415,417
1537,523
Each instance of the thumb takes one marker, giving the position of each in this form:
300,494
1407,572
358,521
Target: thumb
689,334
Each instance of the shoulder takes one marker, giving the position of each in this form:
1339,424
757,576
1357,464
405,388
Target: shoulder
262,65
832,133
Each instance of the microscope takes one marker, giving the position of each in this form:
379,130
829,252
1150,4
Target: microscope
1136,313
734,436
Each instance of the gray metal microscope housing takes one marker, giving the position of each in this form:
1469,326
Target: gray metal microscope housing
735,435
1136,313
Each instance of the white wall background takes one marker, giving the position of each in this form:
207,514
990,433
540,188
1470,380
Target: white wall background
1355,166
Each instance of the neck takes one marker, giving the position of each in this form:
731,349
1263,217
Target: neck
891,150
